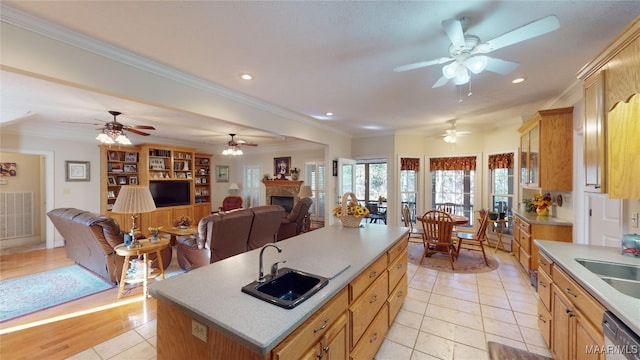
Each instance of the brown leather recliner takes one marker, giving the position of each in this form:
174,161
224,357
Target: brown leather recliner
291,225
223,235
90,239
231,202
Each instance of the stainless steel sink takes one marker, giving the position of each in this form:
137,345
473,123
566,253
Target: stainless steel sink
628,287
609,269
288,289
622,277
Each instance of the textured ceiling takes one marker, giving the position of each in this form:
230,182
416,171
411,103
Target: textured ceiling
313,57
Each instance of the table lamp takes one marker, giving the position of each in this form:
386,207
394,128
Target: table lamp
305,191
134,200
233,188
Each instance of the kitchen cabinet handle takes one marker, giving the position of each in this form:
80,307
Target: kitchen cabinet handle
570,313
373,274
568,290
373,299
325,349
400,266
542,319
400,293
542,284
597,186
373,338
324,325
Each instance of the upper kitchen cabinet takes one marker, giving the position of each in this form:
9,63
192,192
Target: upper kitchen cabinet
612,82
595,134
546,148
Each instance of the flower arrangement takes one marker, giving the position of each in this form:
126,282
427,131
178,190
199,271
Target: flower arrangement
183,221
154,231
542,203
352,209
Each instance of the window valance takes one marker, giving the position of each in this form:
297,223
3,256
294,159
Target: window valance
501,161
453,163
410,164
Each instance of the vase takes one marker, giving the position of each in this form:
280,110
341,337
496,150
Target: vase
542,211
294,176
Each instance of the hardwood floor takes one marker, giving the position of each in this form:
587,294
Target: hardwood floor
67,329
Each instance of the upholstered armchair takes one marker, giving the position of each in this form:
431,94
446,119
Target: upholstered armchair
291,224
231,202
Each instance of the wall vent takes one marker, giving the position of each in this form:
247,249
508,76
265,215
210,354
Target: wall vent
16,214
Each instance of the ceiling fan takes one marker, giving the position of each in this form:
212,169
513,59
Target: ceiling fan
451,135
233,146
466,50
113,131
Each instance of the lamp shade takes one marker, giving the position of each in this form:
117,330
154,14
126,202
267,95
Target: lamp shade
234,186
134,199
305,191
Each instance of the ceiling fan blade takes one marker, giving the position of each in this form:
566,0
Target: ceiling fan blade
246,144
144,127
441,82
503,67
135,131
421,64
82,123
525,32
454,31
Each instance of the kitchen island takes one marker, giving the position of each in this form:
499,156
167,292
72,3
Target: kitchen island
236,325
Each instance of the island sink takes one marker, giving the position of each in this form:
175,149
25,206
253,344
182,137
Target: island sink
622,277
288,289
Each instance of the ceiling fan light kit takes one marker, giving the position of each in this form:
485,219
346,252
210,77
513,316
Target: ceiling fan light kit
233,146
113,132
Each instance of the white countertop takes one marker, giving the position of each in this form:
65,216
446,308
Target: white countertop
532,218
212,294
625,307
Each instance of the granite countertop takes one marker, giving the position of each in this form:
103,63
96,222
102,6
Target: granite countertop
212,294
625,307
542,220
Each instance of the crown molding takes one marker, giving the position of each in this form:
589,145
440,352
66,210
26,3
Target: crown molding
43,27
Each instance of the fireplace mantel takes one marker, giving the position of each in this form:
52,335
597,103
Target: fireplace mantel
288,188
282,183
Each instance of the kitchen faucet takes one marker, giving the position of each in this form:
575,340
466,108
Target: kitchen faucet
261,272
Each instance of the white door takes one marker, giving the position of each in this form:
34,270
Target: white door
346,177
604,219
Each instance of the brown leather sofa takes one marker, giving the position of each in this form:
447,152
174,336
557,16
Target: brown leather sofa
226,234
90,239
291,224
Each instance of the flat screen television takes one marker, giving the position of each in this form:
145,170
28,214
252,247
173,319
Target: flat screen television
170,193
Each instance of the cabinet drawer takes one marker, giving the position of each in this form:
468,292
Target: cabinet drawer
515,248
372,338
396,298
544,323
588,306
525,260
397,269
544,263
313,329
544,289
365,308
364,280
397,250
525,241
525,226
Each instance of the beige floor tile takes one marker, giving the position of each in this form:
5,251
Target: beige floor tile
526,320
417,294
506,341
491,275
454,284
501,302
530,308
118,344
153,341
492,291
415,306
532,336
456,293
390,350
453,316
489,284
417,355
435,346
544,351
497,313
147,330
409,318
464,352
527,297
457,304
438,327
453,332
424,284
88,354
501,328
142,351
402,335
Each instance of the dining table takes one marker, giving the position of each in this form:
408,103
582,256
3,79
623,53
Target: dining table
457,220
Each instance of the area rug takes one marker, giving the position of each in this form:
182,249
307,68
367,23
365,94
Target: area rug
31,293
469,261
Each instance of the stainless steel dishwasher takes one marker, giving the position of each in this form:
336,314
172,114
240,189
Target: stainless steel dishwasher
620,342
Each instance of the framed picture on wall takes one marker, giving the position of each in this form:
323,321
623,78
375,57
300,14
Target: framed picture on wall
222,173
133,180
282,166
77,170
122,180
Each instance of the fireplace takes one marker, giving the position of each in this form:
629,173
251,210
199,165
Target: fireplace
285,201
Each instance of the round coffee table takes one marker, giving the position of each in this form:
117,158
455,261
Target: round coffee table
147,248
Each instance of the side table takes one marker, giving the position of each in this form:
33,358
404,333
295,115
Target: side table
175,232
499,232
144,251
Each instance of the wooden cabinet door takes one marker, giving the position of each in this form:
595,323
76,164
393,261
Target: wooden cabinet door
623,150
562,316
534,156
524,158
594,134
587,337
334,344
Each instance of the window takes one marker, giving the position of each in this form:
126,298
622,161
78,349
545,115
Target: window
409,170
452,181
501,192
371,180
315,173
252,186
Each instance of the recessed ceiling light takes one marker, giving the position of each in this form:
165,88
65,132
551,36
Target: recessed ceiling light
246,77
329,113
518,80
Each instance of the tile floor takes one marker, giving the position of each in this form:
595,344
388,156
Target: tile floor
445,316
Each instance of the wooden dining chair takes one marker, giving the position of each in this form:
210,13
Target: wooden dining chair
414,233
476,239
437,226
451,209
